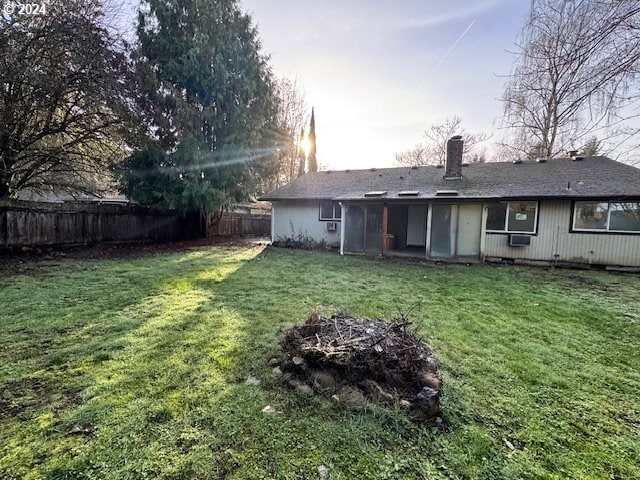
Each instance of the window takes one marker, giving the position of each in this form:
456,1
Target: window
330,211
496,216
624,217
591,216
606,217
512,217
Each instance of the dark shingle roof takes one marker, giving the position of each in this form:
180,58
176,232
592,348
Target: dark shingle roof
556,178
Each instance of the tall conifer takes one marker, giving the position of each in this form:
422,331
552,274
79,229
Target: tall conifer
311,161
210,105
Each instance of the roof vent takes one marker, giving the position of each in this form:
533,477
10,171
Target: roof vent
446,193
408,193
541,160
517,162
376,193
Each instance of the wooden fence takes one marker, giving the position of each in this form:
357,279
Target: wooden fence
241,224
82,223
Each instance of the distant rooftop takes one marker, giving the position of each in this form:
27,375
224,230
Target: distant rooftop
51,197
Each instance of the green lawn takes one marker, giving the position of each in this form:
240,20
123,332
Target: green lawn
148,357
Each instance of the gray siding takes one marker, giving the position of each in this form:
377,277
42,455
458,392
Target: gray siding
554,242
298,217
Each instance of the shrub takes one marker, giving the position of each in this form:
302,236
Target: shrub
301,240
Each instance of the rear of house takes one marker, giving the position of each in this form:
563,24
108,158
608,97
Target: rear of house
559,211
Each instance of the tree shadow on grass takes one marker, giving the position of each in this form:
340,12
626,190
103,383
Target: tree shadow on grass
68,348
171,400
162,376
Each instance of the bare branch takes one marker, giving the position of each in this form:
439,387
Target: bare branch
433,150
293,116
577,73
66,104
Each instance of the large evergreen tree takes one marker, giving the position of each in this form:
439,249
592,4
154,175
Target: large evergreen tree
210,105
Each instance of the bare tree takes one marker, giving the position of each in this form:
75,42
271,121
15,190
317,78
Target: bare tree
433,150
414,157
65,104
576,75
293,115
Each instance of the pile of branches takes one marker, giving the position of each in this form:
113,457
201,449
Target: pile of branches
384,361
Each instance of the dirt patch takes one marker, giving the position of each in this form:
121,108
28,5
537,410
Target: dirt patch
580,281
358,360
70,399
126,250
27,260
29,394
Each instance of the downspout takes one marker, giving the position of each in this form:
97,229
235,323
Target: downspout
385,221
343,217
483,232
273,221
428,239
456,208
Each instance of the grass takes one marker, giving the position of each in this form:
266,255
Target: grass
147,358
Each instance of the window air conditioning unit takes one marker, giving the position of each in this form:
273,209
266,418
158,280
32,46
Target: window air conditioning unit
519,240
331,226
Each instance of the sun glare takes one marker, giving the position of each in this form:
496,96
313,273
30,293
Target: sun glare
305,145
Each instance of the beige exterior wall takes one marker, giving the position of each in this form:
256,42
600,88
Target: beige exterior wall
469,230
554,242
304,216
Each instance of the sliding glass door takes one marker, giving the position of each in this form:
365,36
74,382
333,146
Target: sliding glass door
455,230
443,231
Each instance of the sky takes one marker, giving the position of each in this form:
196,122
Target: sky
380,72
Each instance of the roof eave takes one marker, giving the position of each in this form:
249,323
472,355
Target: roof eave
288,199
449,198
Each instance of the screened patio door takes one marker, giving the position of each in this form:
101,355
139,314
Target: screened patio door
443,231
363,229
455,230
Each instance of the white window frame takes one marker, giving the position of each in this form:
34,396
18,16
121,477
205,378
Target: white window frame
506,220
333,206
606,228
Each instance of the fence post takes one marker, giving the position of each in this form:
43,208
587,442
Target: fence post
3,225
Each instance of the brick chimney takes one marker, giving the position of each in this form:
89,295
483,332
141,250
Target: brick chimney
453,165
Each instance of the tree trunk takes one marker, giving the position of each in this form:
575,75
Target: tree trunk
211,221
4,188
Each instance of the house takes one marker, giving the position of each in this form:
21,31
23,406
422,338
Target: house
62,197
253,207
577,210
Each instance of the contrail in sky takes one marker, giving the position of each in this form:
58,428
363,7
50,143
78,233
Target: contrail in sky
454,45
447,53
